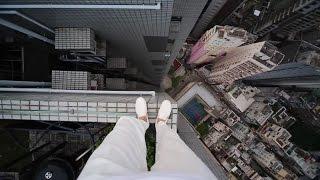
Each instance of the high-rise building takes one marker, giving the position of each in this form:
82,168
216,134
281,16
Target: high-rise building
291,75
245,61
151,33
216,42
292,17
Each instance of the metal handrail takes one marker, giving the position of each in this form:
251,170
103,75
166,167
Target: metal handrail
46,90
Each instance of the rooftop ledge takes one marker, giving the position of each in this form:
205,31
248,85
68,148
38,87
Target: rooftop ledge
78,105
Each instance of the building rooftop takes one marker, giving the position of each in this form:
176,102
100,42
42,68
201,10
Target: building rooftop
277,134
216,41
219,126
77,105
242,97
229,117
259,112
199,89
266,158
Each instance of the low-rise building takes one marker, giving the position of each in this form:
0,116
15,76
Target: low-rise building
276,135
250,139
216,132
204,71
229,117
242,97
212,138
235,160
248,171
195,102
266,158
258,113
305,161
240,131
233,151
269,161
282,118
246,157
198,89
220,127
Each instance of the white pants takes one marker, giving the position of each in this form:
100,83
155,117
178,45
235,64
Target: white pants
122,155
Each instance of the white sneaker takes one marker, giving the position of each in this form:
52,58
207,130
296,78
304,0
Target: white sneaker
141,108
164,112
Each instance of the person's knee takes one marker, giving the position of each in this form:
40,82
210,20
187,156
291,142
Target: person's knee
126,120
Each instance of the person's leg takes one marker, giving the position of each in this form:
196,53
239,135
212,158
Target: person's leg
124,148
172,154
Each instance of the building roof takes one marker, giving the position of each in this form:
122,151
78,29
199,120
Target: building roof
200,90
87,106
